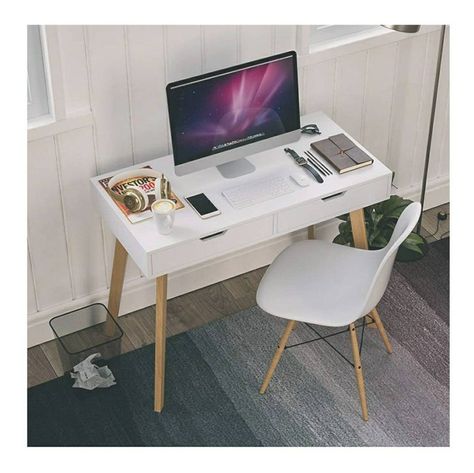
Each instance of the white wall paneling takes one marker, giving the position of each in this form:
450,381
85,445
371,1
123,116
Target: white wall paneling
116,115
219,47
32,307
349,92
109,96
74,69
184,50
426,99
285,38
379,99
256,42
406,106
439,165
318,87
46,228
443,118
85,241
147,82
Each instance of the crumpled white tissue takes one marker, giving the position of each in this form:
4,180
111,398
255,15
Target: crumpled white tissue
90,376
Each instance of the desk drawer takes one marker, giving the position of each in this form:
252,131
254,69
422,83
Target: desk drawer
332,205
210,246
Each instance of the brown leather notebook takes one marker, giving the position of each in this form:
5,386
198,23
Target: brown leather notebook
341,153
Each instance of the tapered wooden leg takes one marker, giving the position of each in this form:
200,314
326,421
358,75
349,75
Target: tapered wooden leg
276,357
311,232
378,322
358,371
116,283
360,239
358,229
160,341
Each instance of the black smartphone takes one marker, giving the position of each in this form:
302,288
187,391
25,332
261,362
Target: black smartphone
202,205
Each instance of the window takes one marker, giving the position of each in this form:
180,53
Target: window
329,33
37,89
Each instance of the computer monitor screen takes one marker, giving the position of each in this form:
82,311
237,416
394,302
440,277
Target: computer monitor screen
233,107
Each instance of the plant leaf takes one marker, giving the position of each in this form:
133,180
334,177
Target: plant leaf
339,239
379,242
345,229
380,220
414,239
414,248
393,207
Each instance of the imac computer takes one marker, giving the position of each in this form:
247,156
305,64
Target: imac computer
218,118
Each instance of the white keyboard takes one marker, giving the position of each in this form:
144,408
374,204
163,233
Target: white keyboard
255,192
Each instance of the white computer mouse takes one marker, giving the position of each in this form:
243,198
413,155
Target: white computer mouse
300,179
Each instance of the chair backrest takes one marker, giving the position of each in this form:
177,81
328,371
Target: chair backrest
405,224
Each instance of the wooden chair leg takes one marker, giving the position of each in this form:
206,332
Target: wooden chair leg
378,322
369,323
359,234
358,371
276,357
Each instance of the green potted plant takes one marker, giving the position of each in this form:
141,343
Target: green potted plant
380,220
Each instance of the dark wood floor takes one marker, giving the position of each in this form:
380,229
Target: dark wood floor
189,311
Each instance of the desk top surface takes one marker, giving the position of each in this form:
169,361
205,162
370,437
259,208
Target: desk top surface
189,226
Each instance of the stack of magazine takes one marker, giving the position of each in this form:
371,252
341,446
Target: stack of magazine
147,184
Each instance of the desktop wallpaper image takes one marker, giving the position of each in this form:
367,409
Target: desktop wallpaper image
227,111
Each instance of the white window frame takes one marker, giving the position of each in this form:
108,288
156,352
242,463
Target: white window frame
37,86
325,35
53,79
309,54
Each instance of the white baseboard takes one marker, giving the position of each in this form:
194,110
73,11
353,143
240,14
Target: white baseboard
140,293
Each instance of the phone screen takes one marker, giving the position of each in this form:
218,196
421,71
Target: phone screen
202,204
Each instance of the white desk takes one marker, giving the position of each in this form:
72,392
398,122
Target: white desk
157,255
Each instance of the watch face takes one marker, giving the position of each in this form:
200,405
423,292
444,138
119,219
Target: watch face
299,160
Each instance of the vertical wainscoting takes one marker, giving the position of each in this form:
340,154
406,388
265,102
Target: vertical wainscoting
84,234
118,74
219,47
72,50
378,102
349,88
47,240
32,304
147,82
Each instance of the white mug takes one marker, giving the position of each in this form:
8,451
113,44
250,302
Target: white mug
163,214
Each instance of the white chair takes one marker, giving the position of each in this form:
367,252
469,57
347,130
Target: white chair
322,283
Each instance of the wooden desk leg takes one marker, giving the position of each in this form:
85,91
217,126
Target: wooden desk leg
311,233
116,283
360,239
160,341
358,229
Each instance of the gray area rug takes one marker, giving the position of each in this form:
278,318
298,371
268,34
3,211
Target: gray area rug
214,372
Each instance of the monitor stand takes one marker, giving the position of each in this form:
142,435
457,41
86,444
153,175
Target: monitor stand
236,168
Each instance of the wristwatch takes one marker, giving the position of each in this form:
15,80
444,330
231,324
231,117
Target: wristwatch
300,161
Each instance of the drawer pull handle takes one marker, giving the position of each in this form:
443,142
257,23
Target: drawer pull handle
333,196
213,235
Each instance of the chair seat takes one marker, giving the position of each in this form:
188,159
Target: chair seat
318,282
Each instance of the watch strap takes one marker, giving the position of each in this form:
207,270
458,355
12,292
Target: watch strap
313,172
